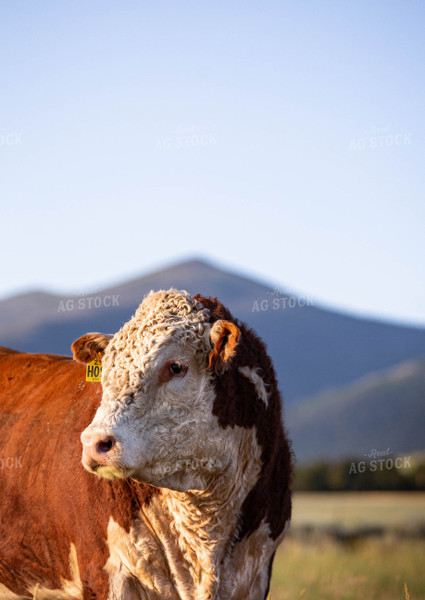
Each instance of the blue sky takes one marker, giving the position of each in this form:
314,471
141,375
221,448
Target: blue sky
284,140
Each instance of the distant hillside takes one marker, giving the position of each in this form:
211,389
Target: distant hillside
313,349
380,411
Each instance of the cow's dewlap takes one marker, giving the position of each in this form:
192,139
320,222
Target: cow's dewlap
185,491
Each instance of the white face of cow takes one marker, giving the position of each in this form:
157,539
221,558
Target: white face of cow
155,423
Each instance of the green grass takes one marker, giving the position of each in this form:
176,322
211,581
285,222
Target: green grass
317,567
374,569
351,510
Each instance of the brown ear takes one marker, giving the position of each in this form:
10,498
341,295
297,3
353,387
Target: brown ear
224,336
90,346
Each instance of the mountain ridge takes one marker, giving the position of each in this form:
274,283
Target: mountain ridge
385,409
313,348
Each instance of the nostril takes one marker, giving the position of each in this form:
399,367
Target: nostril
105,445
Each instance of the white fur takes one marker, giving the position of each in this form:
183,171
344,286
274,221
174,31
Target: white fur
257,381
161,426
182,546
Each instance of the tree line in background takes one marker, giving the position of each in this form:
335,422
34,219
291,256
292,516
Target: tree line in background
384,474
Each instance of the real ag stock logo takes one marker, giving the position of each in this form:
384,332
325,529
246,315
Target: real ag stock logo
280,301
380,460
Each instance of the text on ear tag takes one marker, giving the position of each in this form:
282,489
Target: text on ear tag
94,370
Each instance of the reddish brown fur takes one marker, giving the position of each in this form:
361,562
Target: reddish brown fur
89,347
45,405
51,501
224,347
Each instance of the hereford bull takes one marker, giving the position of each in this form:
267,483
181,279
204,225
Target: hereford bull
185,490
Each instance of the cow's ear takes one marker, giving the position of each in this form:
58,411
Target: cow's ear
224,337
90,346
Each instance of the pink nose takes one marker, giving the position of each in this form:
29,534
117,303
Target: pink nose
96,447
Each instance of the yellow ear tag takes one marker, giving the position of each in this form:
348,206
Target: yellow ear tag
94,370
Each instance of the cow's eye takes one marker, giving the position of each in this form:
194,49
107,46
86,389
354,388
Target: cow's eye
178,369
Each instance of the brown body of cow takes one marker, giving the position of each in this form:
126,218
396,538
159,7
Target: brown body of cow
72,535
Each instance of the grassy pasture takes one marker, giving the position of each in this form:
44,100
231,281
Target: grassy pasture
352,510
316,566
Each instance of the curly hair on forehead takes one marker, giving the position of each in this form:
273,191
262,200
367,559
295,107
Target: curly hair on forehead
161,317
167,304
